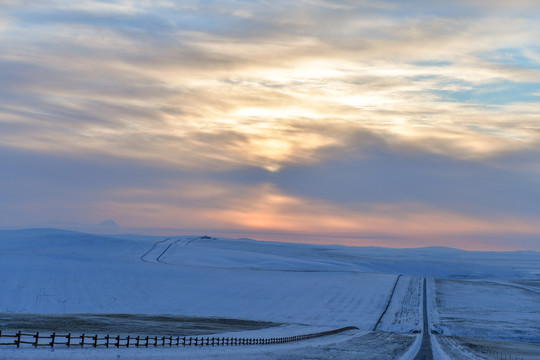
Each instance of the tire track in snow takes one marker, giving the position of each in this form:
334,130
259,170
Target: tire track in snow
387,304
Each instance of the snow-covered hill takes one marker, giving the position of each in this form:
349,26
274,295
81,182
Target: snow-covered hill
55,271
49,271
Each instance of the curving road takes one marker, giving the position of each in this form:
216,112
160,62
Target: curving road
425,352
158,250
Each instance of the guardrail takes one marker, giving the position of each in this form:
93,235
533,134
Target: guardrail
69,340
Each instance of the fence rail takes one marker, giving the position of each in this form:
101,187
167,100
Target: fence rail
69,340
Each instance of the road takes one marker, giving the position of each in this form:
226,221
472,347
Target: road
425,352
158,250
161,247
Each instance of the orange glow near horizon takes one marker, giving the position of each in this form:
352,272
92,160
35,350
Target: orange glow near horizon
397,118
267,214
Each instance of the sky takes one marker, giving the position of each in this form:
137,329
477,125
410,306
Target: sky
388,123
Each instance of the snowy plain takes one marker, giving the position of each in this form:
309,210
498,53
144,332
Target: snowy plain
300,288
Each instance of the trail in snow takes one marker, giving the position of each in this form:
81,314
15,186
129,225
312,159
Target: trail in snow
55,272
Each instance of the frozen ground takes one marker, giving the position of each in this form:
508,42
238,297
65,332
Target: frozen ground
305,288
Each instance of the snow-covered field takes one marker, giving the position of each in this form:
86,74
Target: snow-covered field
302,288
506,310
462,348
66,274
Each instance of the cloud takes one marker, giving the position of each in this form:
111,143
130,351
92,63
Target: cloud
410,198
264,209
311,98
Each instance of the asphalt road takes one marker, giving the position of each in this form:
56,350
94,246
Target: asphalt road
425,352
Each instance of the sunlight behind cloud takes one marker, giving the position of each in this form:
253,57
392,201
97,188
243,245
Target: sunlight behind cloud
256,90
201,82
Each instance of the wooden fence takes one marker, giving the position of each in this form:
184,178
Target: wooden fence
19,339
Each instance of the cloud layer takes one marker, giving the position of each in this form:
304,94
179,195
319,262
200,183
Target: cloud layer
307,116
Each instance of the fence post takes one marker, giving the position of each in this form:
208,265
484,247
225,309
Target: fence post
146,344
155,341
184,341
127,342
82,340
52,338
107,339
18,341
95,340
68,339
117,341
37,339
138,339
170,341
